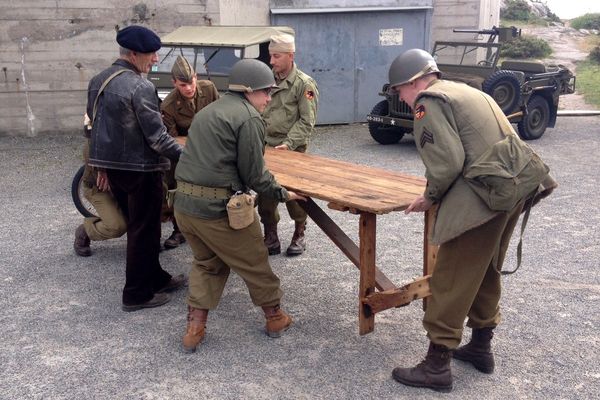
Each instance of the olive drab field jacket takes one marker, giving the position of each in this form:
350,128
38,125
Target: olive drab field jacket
454,125
224,149
292,112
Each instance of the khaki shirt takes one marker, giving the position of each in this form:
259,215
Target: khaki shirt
225,149
292,112
177,111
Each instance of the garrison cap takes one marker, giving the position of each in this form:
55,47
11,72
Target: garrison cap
182,70
283,43
138,38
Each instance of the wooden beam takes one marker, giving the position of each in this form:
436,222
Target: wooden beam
429,250
379,301
367,234
342,241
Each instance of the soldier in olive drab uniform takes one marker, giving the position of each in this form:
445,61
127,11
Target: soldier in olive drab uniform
223,155
110,222
290,119
178,109
454,125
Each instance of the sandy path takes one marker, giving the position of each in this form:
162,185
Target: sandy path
565,45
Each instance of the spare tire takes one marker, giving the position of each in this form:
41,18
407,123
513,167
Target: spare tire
505,88
384,134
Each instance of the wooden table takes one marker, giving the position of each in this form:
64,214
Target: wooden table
368,192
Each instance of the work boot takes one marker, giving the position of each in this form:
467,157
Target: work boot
478,351
433,372
271,239
277,321
297,245
82,242
175,239
196,324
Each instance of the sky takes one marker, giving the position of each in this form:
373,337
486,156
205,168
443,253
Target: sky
568,9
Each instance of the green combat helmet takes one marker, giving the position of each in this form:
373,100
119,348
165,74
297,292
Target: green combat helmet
249,75
410,65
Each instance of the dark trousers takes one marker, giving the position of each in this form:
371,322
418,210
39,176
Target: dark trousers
139,195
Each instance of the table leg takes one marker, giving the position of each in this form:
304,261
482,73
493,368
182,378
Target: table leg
367,234
429,250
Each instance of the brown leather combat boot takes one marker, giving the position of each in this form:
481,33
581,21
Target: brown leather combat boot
196,324
433,372
297,245
82,242
478,351
277,321
175,239
271,239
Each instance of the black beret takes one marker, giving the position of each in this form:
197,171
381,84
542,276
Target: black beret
138,38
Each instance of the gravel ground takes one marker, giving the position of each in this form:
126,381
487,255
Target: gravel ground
64,335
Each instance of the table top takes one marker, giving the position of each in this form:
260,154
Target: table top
345,184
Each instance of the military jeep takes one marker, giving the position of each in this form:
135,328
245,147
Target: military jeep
526,91
212,51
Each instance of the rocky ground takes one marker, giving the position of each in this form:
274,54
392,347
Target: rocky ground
566,44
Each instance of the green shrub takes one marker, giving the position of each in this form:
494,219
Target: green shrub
595,55
526,47
587,21
516,10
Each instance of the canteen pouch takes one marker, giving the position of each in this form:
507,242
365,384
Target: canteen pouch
508,172
240,210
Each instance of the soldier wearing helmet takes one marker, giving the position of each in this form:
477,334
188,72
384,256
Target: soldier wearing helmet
178,109
454,125
224,155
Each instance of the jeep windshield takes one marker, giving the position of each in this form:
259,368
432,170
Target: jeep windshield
205,60
466,54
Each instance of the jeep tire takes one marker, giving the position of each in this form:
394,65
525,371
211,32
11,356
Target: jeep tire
385,134
534,123
505,88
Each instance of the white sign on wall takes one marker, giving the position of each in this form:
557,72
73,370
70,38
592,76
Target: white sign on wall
390,37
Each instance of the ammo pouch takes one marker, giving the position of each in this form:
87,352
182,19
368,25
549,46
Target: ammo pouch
240,210
505,174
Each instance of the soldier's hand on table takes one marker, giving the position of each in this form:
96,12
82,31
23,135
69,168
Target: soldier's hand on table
295,196
102,181
420,204
282,147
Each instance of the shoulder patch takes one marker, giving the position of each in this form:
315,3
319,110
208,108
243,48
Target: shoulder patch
426,138
420,112
309,94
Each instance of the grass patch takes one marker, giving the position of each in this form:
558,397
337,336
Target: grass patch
588,82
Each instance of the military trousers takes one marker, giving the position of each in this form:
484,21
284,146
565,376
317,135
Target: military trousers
110,222
466,281
267,209
218,249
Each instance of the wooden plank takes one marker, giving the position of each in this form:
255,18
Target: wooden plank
379,301
348,185
342,241
367,233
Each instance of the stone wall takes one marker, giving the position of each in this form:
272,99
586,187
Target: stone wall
50,49
465,14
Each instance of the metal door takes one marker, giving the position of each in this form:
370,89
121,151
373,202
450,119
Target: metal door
349,53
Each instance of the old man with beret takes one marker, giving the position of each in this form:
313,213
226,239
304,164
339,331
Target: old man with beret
128,145
178,109
290,118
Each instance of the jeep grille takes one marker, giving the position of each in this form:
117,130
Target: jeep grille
400,108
